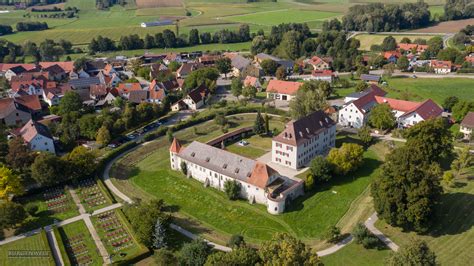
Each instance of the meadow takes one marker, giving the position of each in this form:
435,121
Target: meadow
367,40
37,242
355,254
145,173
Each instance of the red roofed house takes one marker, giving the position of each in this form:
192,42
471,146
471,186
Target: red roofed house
467,125
124,89
156,94
470,59
252,81
323,75
259,183
412,47
66,66
37,136
282,90
355,113
441,67
392,56
319,63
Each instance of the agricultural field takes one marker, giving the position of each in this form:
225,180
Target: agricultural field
452,236
35,243
367,40
145,173
270,18
435,88
77,245
447,26
158,3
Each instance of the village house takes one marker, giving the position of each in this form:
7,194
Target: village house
375,79
37,136
258,182
186,68
282,90
319,63
371,89
303,139
124,89
412,48
287,64
208,60
194,100
392,56
156,92
253,82
5,67
238,62
12,113
356,113
441,67
52,96
14,71
467,125
322,75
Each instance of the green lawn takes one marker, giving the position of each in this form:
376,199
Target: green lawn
435,88
68,233
257,146
355,254
367,40
452,237
37,242
275,17
45,217
307,218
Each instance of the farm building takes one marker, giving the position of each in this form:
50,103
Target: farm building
156,23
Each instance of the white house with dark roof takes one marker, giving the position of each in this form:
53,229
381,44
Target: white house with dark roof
258,182
194,100
304,139
467,125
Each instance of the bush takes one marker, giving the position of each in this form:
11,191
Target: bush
184,168
363,236
309,182
232,189
333,234
31,208
236,241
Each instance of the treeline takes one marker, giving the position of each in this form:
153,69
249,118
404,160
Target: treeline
30,2
31,26
168,39
104,4
458,9
464,35
378,17
6,29
48,50
292,41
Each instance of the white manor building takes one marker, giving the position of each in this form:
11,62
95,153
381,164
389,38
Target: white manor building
212,166
304,139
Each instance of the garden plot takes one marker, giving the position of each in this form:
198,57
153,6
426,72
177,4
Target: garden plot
57,201
91,195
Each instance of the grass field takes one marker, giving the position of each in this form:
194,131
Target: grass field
281,16
354,254
307,218
257,146
367,40
452,237
67,232
37,242
436,88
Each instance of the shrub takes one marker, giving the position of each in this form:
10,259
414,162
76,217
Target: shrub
232,189
333,234
31,208
184,168
309,182
236,241
363,236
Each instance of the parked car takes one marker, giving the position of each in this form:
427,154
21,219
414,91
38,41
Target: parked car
131,136
243,143
112,145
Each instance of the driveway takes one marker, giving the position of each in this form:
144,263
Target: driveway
285,171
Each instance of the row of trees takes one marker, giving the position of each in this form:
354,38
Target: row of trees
168,39
458,9
386,17
48,50
31,26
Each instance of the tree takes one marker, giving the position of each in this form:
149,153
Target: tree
267,124
224,65
405,40
464,160
333,234
232,189
169,39
432,137
345,159
143,218
259,125
249,92
193,37
159,235
321,169
236,87
416,252
169,134
165,257
407,189
449,102
103,136
309,98
389,44
194,253
363,236
284,249
220,119
280,73
19,155
403,63
81,163
448,178
207,75
388,70
242,255
184,167
10,183
460,109
269,67
173,66
364,135
71,102
31,208
382,117
309,182
11,214
361,86
236,241
48,169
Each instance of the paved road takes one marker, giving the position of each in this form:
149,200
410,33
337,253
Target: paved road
370,225
336,247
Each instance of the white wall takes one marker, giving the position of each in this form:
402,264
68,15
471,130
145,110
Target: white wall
351,116
42,143
409,120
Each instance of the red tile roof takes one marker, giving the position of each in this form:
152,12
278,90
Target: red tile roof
441,64
67,66
261,174
5,67
322,73
250,81
283,87
389,54
175,146
468,120
427,109
30,101
399,105
128,87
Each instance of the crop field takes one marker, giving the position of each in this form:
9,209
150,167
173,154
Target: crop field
367,40
158,3
447,26
34,243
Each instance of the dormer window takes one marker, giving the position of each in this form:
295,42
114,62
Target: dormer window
193,154
208,159
237,170
224,166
